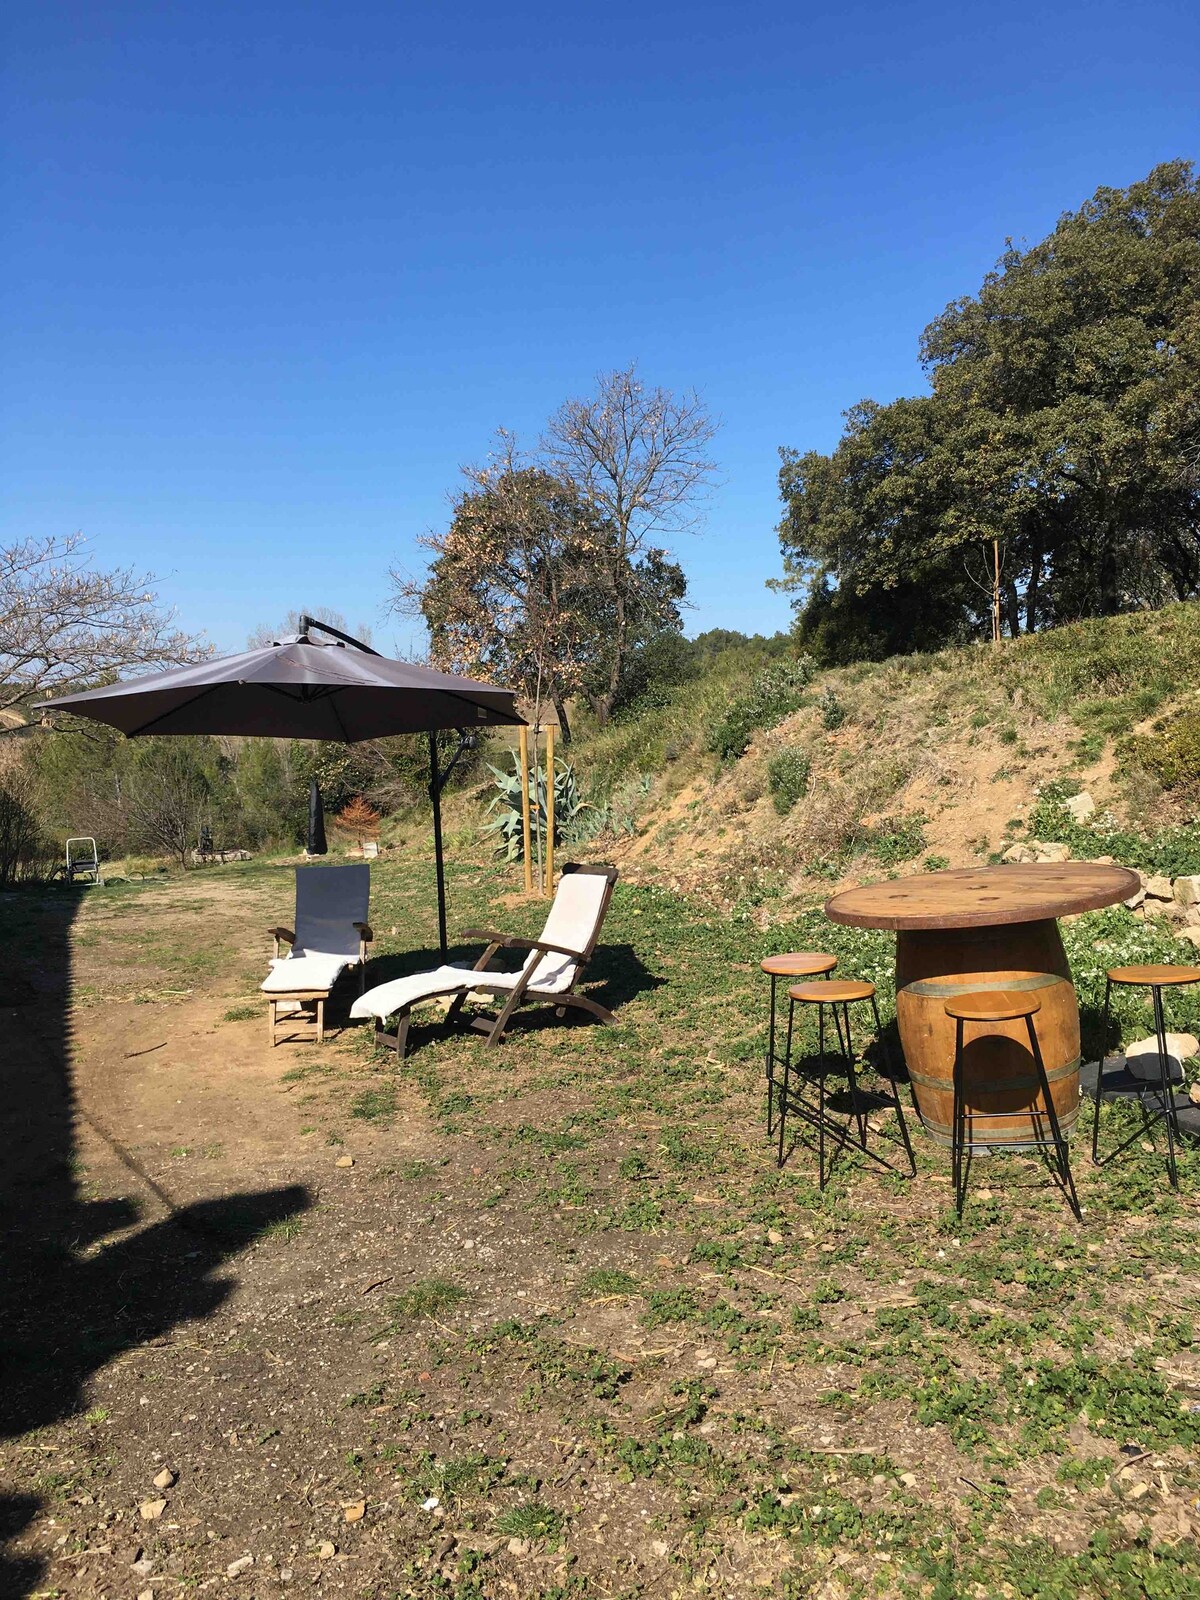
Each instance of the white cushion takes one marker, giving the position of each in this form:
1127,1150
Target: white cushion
388,998
307,972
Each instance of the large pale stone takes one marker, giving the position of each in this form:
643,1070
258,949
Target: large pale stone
1018,854
1135,899
1190,935
1053,852
1183,1046
1080,806
1187,890
1159,888
1142,1056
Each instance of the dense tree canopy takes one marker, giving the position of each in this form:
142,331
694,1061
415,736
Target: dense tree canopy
532,586
1063,421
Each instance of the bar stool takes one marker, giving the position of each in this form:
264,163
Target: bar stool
796,964
995,1007
839,994
1156,979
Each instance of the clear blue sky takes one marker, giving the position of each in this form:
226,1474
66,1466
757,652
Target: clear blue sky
271,273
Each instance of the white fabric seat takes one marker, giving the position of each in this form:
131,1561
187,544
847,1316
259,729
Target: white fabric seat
304,972
388,998
573,925
331,934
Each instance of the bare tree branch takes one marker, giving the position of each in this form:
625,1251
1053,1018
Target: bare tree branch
640,457
63,623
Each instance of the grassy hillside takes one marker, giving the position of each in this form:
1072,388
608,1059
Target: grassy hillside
934,760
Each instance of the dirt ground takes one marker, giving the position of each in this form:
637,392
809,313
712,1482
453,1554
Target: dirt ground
543,1321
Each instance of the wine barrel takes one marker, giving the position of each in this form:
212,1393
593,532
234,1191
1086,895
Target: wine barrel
1000,1082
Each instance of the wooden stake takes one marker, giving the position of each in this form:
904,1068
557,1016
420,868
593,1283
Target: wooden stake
524,736
549,888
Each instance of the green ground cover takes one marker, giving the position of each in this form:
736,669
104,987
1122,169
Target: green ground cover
842,1394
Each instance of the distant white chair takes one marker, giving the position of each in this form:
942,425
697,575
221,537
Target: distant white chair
331,934
83,861
555,964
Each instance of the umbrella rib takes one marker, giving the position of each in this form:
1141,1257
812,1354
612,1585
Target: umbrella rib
337,717
163,715
476,704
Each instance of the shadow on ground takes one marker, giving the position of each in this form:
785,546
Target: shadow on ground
69,1301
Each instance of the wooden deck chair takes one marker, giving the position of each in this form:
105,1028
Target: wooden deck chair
555,964
331,934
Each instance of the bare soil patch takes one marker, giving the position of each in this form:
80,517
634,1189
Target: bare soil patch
538,1321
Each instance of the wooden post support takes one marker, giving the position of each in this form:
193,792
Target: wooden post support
550,808
524,757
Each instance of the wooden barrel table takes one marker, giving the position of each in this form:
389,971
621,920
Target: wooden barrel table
971,929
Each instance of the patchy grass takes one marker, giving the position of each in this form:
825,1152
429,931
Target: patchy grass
574,1288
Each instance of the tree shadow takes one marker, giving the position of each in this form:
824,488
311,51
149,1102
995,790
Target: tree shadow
615,976
67,1307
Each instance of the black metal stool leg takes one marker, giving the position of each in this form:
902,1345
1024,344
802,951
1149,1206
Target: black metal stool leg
770,1064
821,1076
886,1056
958,1120
859,1115
1060,1143
1168,1093
1100,1071
782,1107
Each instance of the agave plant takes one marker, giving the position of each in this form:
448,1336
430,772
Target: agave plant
505,809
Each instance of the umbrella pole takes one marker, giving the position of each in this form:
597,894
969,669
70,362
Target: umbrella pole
435,795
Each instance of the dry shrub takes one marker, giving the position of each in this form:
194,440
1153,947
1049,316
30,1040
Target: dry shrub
26,855
833,822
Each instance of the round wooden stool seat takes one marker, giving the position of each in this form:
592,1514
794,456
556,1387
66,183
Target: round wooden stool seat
992,1006
1154,977
799,964
834,991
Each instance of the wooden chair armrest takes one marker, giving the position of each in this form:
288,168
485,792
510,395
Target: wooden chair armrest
364,932
282,933
487,935
515,942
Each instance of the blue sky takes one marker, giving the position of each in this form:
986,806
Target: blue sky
271,273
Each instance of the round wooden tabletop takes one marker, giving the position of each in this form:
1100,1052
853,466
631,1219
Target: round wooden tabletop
982,897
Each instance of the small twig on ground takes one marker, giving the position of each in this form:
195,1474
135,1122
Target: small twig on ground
130,1055
1132,1462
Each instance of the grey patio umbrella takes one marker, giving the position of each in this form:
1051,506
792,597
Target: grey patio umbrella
306,688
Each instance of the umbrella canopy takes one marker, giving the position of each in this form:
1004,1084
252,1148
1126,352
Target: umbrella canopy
305,688
297,689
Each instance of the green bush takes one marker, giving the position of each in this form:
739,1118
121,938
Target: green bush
833,712
1171,851
775,694
507,824
1171,754
787,775
897,839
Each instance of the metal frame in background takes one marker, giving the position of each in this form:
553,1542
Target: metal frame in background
1166,1111
961,1146
818,1117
